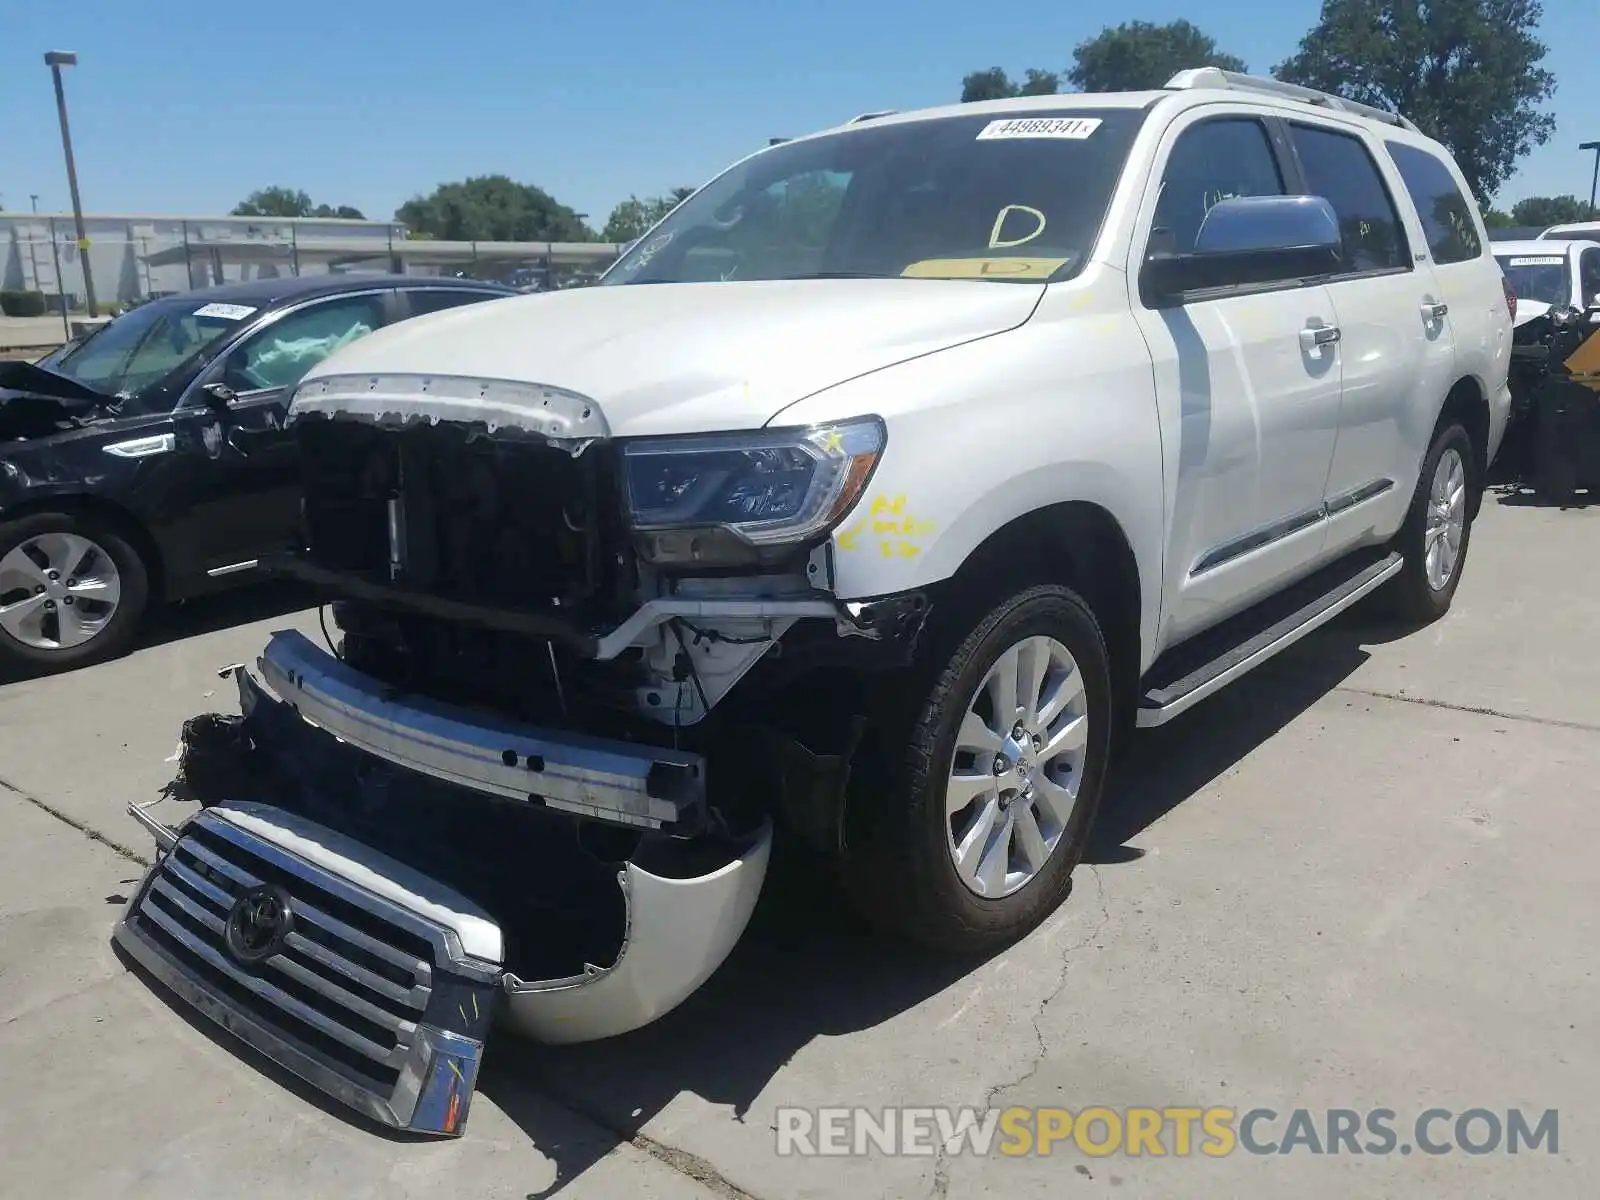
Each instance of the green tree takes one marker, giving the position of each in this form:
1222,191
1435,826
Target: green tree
1466,71
1495,219
289,202
1140,55
633,216
995,84
492,208
1551,210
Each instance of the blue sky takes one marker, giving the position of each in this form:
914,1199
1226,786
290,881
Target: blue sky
187,108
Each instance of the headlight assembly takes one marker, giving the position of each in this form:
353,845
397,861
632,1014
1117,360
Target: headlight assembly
745,498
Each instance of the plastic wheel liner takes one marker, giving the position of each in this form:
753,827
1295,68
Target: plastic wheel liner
362,894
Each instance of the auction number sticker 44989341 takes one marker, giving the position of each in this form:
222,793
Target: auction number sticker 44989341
1072,128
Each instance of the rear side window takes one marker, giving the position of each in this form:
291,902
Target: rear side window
1589,272
1338,168
1446,215
427,300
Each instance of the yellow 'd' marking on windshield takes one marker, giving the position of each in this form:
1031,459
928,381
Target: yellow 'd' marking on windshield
1000,223
983,268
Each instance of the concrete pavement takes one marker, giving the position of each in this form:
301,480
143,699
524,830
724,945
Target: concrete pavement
1359,878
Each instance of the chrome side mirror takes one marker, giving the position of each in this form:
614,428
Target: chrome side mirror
1252,224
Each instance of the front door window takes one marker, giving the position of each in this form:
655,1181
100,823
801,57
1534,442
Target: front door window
281,354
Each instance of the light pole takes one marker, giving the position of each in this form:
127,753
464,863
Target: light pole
55,60
1595,181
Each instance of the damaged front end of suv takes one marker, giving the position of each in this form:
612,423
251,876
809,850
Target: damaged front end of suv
492,801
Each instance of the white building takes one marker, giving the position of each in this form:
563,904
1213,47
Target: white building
133,256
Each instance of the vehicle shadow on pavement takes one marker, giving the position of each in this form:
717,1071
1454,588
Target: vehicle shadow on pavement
1160,768
225,610
807,969
1513,478
1521,495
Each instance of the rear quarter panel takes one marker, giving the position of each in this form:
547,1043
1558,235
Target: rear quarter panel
1480,323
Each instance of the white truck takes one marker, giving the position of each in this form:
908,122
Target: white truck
862,502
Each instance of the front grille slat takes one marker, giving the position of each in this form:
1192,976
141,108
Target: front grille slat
174,895
389,1056
412,997
241,878
318,982
192,879
307,977
417,967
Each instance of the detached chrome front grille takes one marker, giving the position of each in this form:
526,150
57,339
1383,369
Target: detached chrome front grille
369,1001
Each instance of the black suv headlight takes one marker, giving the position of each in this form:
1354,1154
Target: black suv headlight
745,498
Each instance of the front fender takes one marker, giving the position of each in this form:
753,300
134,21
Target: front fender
1061,410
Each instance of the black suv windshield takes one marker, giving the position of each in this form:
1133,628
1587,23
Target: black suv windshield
144,346
1014,199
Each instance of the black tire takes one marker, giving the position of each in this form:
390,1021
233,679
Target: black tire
901,876
118,633
1412,597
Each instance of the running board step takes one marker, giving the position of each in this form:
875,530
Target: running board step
1189,673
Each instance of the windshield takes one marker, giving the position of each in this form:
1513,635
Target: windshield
1018,199
1541,278
142,347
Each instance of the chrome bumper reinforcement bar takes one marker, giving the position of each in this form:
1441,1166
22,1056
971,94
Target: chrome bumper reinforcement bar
618,782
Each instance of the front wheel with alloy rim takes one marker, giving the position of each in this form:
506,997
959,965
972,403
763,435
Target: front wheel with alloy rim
1438,528
995,797
72,591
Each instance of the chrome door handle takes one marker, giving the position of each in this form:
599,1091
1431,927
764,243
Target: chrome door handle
1319,335
1434,312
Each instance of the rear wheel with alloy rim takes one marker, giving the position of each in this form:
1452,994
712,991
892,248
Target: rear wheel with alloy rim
72,591
1438,528
982,821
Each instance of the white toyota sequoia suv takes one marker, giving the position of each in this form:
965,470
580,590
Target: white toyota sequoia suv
858,504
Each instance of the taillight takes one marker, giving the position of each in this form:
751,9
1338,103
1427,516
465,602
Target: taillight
1511,297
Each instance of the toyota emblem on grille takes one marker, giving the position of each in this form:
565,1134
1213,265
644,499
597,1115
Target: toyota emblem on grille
259,924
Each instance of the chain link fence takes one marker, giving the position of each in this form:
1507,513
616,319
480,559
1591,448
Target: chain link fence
135,259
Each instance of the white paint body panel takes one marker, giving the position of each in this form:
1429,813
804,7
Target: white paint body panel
1059,410
679,932
1249,419
1397,369
1480,323
692,357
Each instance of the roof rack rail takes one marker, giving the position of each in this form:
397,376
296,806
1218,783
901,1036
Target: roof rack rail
1215,77
872,116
